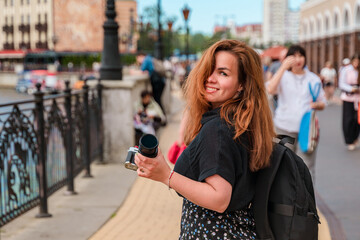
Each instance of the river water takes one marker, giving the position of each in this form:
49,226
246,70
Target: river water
9,95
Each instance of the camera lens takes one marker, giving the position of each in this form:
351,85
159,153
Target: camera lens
148,145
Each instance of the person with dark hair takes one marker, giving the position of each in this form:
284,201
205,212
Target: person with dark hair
229,135
328,77
149,116
291,84
157,81
349,83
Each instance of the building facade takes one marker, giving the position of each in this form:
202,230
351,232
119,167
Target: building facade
281,25
329,31
252,33
63,25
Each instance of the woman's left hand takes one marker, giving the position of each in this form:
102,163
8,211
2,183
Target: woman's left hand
156,168
317,105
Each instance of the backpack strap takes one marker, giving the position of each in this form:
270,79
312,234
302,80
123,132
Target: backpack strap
265,178
284,139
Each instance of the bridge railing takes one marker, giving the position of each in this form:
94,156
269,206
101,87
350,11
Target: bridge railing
44,144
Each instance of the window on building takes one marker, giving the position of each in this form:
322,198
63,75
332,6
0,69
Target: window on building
304,29
6,20
22,19
22,2
28,2
358,16
346,19
335,21
5,3
319,26
11,2
28,19
327,24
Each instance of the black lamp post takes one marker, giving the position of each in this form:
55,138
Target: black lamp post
159,44
130,44
186,12
170,24
111,68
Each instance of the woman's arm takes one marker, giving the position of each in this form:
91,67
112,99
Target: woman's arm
214,193
343,85
273,83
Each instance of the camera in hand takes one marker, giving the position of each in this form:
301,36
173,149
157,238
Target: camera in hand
148,146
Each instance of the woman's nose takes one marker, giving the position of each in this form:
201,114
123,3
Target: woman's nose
211,78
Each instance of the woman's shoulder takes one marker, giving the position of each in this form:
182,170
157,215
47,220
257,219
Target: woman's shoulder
216,127
312,76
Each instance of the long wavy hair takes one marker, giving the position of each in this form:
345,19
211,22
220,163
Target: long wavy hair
249,112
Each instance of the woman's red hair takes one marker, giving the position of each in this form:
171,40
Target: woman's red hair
249,112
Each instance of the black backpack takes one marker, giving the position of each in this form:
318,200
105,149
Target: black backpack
284,202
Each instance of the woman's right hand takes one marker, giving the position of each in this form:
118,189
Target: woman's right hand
155,169
288,62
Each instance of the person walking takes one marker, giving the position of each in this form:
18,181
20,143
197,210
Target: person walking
349,84
156,80
328,77
291,84
229,137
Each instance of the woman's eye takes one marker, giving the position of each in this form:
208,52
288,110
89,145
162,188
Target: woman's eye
223,74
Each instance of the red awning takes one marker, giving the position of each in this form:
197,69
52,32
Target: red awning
12,54
273,52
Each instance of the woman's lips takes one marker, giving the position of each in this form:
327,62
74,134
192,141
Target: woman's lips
210,89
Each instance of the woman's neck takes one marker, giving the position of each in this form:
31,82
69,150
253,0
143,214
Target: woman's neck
298,71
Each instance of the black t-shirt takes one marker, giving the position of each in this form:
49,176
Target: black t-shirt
213,151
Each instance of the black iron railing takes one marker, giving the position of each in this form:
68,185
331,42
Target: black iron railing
44,144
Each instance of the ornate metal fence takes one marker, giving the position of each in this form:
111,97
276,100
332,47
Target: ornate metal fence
44,144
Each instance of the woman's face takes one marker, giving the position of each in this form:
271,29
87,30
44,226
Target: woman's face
299,63
223,83
355,62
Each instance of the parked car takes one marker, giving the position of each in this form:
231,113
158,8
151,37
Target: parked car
25,83
28,79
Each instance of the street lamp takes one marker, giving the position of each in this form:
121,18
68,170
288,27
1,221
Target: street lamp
186,12
111,68
170,24
130,44
158,44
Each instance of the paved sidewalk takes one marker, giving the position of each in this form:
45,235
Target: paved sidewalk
76,217
151,210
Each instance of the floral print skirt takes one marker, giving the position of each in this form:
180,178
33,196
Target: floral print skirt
201,223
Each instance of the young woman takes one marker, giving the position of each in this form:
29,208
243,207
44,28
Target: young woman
349,83
291,84
328,75
229,135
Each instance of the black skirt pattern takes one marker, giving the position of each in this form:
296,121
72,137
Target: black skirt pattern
201,223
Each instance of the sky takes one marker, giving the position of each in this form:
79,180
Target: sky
205,14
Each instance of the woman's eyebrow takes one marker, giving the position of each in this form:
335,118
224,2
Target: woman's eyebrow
223,68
